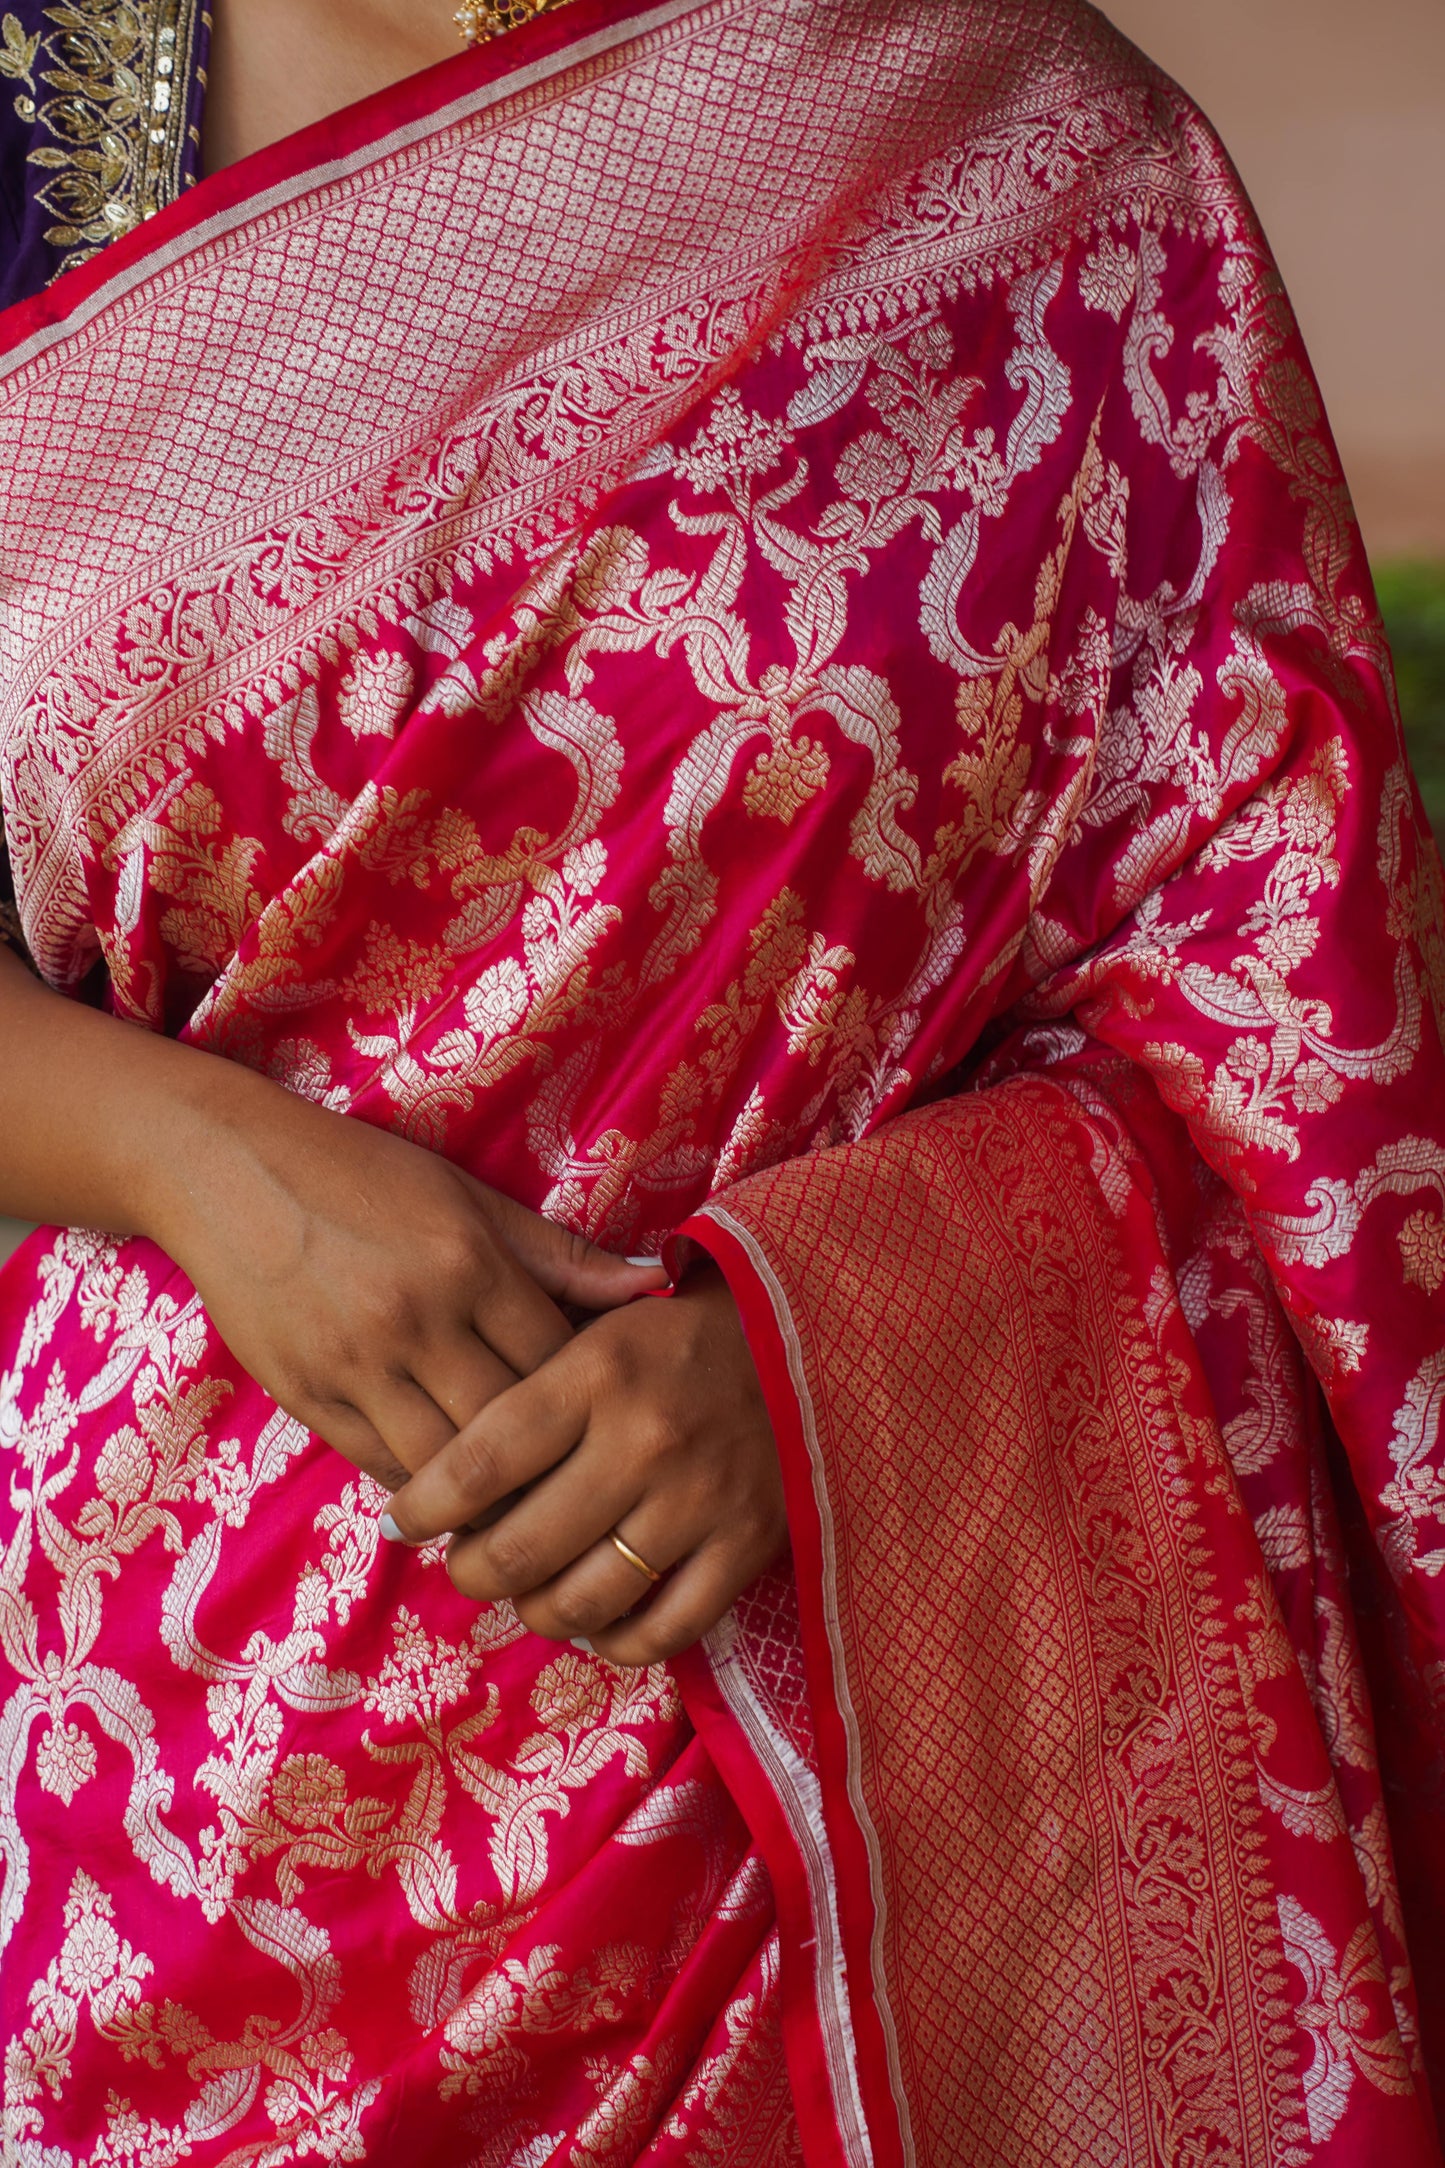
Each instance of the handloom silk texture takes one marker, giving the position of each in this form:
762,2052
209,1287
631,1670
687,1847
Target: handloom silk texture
741,616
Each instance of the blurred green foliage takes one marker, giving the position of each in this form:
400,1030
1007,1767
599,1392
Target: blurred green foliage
1412,598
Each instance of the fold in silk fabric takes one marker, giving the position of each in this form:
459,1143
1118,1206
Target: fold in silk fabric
741,616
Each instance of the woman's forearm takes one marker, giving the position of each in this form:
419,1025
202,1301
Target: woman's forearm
102,1123
377,1292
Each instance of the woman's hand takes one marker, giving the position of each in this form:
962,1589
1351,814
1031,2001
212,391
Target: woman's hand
377,1292
650,1422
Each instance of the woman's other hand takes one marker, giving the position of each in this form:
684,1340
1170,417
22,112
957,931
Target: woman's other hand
376,1291
652,1423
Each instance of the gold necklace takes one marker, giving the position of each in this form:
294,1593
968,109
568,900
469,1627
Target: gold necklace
478,19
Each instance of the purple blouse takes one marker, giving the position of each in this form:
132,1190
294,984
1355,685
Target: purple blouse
100,124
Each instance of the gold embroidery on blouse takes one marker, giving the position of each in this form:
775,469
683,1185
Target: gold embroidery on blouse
17,58
110,114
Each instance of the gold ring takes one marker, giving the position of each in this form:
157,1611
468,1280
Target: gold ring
631,1556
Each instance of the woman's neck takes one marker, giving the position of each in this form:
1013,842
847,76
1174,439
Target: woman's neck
278,65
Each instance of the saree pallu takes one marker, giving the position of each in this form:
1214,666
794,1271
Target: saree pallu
740,615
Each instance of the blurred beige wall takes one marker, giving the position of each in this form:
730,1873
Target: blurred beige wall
1334,112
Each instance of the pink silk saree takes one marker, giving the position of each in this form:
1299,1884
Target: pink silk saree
741,616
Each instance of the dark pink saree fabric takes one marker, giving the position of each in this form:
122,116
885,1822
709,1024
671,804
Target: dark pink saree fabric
741,616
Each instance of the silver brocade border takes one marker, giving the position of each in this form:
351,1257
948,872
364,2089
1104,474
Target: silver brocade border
798,1790
275,198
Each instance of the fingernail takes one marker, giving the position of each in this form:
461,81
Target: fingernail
648,1264
390,1530
579,1641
